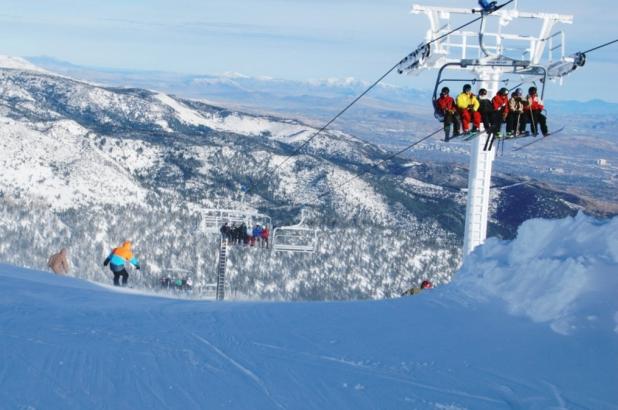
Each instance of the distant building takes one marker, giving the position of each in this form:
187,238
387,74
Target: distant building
602,162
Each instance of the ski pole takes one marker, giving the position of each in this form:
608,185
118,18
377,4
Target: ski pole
532,122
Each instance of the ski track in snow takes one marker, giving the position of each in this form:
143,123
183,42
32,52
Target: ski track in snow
557,395
392,376
240,367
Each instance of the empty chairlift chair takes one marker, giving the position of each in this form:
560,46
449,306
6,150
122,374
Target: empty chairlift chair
295,238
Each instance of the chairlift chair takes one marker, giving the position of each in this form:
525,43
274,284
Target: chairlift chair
295,238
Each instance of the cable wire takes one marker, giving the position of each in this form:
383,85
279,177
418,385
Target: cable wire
375,83
601,46
393,155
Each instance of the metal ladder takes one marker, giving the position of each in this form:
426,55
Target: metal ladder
221,269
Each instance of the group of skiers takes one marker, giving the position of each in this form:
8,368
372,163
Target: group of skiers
245,235
515,111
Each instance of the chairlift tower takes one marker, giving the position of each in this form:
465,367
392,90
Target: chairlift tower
508,43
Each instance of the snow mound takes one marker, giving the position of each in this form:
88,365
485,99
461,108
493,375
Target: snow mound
562,272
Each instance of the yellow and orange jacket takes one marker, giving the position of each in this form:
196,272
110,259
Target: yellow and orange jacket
464,101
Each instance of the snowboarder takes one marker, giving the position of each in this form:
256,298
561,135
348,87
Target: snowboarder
58,262
117,259
445,105
534,113
468,106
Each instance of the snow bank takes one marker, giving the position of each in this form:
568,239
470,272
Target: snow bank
561,272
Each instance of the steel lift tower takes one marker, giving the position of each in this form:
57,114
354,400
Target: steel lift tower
494,56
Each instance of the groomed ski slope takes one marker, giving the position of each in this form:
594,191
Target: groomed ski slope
529,324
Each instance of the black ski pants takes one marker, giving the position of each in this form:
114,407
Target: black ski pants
515,122
118,274
536,118
451,118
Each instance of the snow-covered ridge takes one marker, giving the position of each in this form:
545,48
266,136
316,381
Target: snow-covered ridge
18,63
558,272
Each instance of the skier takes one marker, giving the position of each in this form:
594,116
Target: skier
416,290
468,106
534,113
486,109
117,259
58,262
488,6
515,122
501,109
445,105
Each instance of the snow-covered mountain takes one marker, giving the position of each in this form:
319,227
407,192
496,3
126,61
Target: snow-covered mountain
87,167
526,324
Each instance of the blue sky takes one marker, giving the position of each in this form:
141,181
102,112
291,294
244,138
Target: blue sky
292,39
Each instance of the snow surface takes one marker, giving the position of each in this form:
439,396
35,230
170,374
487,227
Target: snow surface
492,339
64,167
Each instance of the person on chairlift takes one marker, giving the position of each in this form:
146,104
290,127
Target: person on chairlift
468,106
446,107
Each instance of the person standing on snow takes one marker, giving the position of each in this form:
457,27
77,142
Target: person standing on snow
117,259
58,262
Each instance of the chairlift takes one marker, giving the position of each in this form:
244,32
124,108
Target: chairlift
214,218
295,238
520,67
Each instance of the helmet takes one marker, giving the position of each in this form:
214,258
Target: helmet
482,91
445,90
532,90
517,92
503,91
467,88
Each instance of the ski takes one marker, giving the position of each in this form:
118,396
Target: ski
539,139
471,135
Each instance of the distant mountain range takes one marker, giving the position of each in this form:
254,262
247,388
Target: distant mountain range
88,166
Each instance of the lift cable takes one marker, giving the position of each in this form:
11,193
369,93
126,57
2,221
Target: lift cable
391,156
318,132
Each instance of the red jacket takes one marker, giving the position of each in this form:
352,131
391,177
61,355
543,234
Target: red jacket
535,103
446,103
501,103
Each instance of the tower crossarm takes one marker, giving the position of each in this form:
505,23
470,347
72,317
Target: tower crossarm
443,44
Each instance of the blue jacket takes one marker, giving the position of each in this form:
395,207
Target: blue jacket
257,232
117,262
